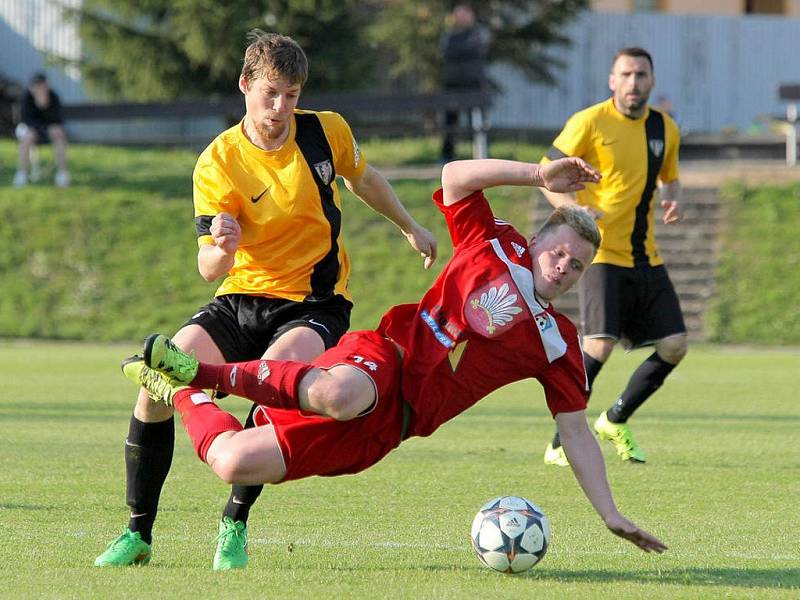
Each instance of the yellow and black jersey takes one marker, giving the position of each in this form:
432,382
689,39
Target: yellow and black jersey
632,154
287,204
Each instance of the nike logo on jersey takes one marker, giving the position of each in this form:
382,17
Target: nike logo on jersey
609,142
255,199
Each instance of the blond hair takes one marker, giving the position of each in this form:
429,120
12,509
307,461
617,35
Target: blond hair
274,56
579,219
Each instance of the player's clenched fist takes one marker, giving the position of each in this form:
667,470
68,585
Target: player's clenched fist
226,232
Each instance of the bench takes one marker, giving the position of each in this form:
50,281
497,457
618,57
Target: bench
377,114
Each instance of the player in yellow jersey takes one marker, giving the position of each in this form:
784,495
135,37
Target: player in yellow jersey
268,218
626,294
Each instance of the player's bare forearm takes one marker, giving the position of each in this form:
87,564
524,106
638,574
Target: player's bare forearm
670,195
589,468
557,199
462,178
376,192
213,262
216,259
586,461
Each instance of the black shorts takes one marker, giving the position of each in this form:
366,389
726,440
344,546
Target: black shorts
637,305
244,326
42,131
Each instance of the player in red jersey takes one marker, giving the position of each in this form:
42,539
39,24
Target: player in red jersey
487,321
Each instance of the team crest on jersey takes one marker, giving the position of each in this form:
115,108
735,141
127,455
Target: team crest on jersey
493,307
324,170
656,147
263,371
544,321
520,250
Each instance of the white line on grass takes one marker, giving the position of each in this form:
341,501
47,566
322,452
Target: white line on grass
451,548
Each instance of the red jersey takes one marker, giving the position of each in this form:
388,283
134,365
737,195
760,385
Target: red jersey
480,326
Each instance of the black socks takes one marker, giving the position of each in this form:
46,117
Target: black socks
148,457
646,379
243,496
241,499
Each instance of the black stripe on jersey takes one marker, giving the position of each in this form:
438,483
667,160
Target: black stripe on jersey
310,138
554,153
654,137
202,225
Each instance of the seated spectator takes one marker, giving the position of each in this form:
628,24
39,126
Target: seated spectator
41,122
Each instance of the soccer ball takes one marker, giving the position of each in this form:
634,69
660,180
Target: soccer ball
510,534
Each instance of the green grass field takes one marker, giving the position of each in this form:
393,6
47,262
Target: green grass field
721,489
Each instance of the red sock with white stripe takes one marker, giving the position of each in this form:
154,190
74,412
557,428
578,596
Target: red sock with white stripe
268,382
202,419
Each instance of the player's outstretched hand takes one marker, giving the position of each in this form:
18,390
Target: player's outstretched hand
672,211
568,174
424,242
226,232
620,526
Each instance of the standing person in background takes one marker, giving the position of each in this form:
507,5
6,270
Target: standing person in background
626,294
41,122
464,47
268,217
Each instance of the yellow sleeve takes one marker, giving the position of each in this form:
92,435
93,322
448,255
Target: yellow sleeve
348,159
669,168
573,139
212,193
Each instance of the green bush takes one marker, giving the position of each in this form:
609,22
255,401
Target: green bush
113,257
758,283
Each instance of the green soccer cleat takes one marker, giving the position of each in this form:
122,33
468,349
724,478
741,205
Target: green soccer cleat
231,545
555,456
622,438
159,387
128,549
162,354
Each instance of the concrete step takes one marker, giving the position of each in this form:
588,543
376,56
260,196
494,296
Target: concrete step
689,250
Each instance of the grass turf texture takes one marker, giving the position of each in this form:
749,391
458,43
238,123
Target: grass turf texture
759,274
720,489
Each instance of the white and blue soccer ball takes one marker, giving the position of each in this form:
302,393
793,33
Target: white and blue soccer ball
510,534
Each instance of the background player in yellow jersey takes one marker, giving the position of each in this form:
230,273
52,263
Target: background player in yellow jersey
626,294
268,215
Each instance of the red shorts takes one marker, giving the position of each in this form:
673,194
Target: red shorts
315,445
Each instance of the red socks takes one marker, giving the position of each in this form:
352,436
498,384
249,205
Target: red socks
202,419
269,382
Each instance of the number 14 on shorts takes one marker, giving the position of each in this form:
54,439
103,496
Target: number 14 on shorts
360,360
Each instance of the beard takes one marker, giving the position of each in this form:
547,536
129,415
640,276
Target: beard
270,132
632,107
638,104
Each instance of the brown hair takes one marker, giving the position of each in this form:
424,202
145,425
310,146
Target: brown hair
633,52
579,219
275,56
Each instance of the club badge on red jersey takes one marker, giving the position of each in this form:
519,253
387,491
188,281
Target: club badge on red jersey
494,308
